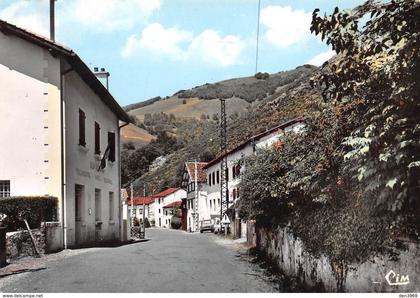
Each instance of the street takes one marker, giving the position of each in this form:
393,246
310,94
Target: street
171,261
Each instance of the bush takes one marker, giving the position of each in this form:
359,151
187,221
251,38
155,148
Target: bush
146,223
262,75
175,222
14,210
136,222
152,222
184,102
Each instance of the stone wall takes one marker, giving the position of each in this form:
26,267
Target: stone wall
380,274
48,239
19,244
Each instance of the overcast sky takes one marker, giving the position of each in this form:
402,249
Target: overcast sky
157,47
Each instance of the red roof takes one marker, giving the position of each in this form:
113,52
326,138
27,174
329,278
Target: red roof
165,193
175,204
141,200
201,172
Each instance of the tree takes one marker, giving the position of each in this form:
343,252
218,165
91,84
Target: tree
378,66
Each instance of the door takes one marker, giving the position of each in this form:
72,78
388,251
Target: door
79,193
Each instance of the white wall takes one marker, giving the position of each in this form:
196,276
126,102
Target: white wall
30,151
82,163
160,202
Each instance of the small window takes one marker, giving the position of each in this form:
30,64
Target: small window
234,194
97,204
210,204
209,179
111,145
233,172
214,180
227,174
97,138
214,204
111,205
218,177
159,210
4,188
237,193
82,134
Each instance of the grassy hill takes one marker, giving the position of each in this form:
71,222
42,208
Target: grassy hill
138,136
241,94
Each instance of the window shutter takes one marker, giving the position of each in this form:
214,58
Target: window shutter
111,144
82,119
97,138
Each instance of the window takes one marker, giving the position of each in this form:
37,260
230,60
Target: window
97,204
159,210
217,176
214,181
237,193
111,145
227,174
210,204
234,194
97,138
78,201
4,188
209,179
82,135
233,172
214,204
111,205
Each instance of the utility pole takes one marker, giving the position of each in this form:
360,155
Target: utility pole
196,196
144,211
132,205
224,190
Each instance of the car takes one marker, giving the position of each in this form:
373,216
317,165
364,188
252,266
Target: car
219,228
206,225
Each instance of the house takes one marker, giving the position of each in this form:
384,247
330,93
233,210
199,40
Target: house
135,208
235,168
164,198
62,128
194,182
170,210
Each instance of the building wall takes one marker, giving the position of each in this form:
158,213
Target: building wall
82,165
30,154
160,202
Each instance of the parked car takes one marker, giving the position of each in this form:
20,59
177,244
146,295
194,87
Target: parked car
219,228
206,225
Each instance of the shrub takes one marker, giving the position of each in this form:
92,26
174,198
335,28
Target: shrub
136,222
175,222
146,223
152,222
184,101
34,209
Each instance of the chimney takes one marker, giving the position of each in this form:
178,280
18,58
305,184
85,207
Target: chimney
52,20
102,75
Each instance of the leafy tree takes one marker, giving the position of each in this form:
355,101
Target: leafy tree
378,66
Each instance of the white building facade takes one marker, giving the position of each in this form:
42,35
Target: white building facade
236,167
63,131
164,198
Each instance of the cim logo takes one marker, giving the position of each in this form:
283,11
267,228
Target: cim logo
394,279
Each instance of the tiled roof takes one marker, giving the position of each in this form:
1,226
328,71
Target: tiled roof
165,193
73,59
201,172
255,138
175,204
141,201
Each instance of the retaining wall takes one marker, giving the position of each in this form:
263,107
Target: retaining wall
380,274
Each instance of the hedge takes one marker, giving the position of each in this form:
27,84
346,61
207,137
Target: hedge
13,210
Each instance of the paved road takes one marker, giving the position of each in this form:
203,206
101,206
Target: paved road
171,261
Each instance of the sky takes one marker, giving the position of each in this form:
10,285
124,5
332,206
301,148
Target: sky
158,47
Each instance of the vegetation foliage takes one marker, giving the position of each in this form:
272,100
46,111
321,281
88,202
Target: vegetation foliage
14,210
349,186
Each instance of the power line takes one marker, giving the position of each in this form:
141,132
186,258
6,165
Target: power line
258,36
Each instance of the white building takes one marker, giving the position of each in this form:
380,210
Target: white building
164,198
194,182
235,168
61,132
135,208
170,210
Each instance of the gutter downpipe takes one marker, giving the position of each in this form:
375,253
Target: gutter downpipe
63,153
120,211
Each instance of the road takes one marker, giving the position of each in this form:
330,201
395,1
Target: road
171,261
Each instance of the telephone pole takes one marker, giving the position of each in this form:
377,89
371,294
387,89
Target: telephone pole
224,190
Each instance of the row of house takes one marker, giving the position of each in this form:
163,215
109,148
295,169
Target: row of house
158,208
201,180
199,198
